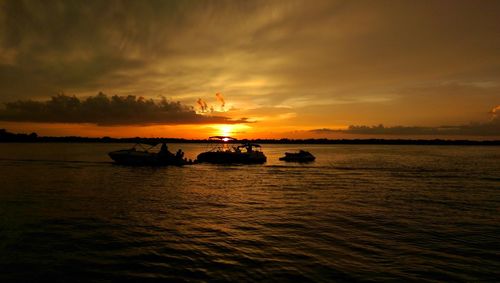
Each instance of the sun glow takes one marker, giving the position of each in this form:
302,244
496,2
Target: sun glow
229,130
225,130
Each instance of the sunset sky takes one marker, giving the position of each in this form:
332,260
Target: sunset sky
269,69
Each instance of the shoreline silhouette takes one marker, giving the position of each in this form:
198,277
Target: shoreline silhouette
6,136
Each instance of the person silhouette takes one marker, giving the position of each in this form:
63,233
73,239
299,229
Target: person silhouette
164,149
179,154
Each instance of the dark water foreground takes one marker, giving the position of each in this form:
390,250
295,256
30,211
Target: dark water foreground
359,213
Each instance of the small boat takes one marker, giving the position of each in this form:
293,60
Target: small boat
223,153
140,155
301,156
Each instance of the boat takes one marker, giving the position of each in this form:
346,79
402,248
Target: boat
301,156
224,152
139,154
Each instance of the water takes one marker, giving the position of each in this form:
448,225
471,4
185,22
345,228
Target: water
360,212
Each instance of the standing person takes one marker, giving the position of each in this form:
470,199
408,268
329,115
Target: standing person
164,149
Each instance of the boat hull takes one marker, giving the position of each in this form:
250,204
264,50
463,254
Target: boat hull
222,157
298,157
141,158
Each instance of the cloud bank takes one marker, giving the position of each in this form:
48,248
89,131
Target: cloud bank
491,128
103,110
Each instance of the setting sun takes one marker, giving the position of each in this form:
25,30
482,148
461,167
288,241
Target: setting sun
229,130
225,130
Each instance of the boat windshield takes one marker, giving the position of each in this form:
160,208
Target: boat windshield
225,143
142,147
147,147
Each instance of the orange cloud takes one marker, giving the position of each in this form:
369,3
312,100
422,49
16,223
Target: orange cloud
220,98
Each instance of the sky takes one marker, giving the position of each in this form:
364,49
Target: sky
251,69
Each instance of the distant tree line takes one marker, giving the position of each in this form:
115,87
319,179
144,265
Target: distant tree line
11,137
6,136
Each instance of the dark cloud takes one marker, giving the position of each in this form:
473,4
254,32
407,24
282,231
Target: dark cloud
491,128
104,110
330,48
76,46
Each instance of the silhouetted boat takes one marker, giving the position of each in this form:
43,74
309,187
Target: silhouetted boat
222,153
301,156
146,156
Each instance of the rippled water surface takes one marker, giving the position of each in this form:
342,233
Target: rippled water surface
360,212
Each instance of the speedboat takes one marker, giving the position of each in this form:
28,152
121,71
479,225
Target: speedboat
223,153
140,155
301,156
